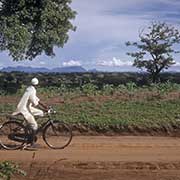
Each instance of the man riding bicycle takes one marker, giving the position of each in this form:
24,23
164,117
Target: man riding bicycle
27,107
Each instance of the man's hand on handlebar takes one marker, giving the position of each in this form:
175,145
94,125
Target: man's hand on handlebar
44,107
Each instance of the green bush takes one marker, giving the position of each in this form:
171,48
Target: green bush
89,89
8,169
108,89
131,86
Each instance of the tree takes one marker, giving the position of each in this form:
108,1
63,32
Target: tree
30,27
156,48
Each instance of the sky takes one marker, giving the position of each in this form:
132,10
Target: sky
103,27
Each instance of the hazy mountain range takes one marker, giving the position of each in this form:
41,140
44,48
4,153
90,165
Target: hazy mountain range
35,70
71,69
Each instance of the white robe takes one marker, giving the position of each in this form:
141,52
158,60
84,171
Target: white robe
25,106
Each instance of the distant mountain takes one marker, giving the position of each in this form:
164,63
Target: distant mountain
69,69
35,70
93,70
24,69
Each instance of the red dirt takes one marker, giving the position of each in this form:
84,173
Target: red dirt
101,157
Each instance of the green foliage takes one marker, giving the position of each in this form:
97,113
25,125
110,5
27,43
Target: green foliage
115,112
144,113
108,89
131,86
121,88
155,48
120,104
68,82
163,88
30,27
9,84
89,89
147,106
8,169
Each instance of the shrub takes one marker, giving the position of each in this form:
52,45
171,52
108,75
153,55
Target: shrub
7,169
89,89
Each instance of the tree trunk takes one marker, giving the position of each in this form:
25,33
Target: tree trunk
155,76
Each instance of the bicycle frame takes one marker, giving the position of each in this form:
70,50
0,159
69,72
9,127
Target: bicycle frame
43,125
40,127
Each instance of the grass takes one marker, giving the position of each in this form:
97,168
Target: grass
138,107
147,114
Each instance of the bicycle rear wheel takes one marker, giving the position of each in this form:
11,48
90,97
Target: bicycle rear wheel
12,135
57,135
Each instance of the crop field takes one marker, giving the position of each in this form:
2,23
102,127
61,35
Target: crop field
107,108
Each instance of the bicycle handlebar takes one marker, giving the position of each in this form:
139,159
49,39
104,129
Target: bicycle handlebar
51,110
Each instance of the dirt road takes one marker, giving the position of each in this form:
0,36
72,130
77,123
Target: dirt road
106,158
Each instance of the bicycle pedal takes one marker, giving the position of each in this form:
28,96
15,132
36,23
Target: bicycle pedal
30,147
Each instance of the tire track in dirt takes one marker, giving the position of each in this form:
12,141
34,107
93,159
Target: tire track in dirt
111,158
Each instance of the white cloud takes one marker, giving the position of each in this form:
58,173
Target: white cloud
114,63
71,63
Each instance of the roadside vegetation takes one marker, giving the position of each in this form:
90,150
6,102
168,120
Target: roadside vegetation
109,108
9,169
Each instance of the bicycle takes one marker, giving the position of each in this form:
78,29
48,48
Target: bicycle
15,135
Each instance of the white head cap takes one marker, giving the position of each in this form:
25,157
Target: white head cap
34,81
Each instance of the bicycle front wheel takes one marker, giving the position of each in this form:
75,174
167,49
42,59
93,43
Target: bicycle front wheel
12,135
57,135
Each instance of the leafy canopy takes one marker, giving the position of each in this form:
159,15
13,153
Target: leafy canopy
30,27
155,48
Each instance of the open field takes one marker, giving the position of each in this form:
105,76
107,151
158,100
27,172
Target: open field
102,157
102,102
136,113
